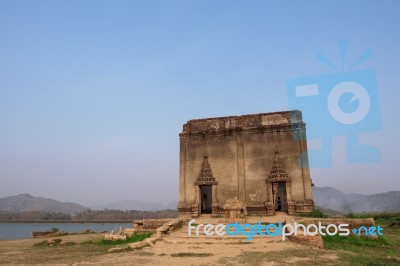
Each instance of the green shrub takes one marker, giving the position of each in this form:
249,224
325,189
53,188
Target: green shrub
56,241
87,242
353,215
387,217
43,243
47,243
316,213
134,238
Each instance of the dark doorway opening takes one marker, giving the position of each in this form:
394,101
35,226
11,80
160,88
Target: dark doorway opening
280,200
206,199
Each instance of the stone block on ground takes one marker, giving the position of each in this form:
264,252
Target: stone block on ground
311,241
315,241
138,245
129,231
235,211
119,249
114,237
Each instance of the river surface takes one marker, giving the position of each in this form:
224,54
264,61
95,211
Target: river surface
24,230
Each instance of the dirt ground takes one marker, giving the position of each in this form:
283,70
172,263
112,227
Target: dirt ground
180,249
175,249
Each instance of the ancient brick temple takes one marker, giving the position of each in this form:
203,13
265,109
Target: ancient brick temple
261,159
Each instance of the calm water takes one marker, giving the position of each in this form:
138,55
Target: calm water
24,230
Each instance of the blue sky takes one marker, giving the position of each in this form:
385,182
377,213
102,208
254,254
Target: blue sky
93,94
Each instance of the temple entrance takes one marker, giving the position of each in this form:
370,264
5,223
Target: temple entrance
206,199
280,197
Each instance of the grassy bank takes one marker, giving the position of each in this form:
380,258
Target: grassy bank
65,249
361,250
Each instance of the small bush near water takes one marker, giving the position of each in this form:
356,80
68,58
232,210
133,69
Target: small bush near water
53,243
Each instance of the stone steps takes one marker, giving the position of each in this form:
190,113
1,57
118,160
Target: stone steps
181,236
194,236
217,237
184,232
206,240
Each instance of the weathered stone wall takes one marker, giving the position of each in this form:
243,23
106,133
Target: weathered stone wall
240,152
149,225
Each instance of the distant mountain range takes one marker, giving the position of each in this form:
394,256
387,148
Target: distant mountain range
325,197
27,203
135,205
332,198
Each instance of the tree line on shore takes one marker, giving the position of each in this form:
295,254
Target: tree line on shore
85,216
